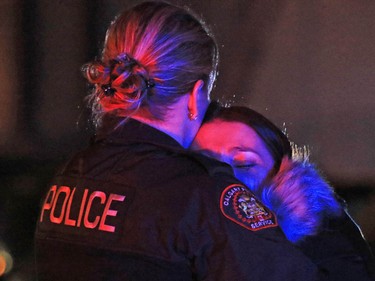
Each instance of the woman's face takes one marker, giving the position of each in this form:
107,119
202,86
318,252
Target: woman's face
238,145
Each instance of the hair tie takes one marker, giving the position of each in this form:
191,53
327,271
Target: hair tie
150,83
116,67
108,90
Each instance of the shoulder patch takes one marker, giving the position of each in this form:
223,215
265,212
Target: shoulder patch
239,205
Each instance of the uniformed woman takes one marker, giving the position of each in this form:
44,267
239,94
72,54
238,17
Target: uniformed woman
136,205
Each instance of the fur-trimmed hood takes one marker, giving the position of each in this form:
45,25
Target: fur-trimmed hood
300,198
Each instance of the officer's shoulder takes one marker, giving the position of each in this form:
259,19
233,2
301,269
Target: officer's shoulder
211,166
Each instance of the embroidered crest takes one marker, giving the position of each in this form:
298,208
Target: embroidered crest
238,204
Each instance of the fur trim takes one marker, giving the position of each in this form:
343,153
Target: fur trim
300,198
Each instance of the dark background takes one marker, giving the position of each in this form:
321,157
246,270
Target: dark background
307,65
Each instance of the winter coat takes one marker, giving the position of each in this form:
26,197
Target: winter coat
315,219
135,205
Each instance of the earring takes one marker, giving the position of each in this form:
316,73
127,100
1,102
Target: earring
192,117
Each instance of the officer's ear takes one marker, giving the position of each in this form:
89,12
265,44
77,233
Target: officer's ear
198,98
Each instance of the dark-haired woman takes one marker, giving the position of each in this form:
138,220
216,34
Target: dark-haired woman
308,211
136,205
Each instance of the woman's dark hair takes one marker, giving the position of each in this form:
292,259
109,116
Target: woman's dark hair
276,141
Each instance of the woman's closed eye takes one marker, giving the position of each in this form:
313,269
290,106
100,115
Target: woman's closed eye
243,165
245,160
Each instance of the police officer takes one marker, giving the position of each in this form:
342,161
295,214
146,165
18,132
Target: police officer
135,205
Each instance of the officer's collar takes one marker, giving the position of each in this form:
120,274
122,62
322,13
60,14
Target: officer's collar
117,130
124,131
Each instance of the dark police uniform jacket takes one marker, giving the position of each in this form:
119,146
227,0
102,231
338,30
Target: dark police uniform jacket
136,206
